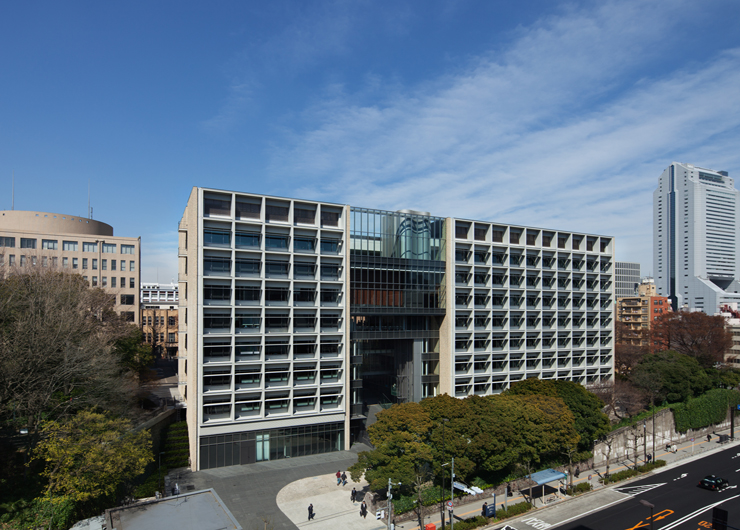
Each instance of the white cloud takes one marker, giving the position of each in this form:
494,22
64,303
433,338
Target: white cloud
555,131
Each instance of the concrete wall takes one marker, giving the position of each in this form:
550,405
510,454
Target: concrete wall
622,441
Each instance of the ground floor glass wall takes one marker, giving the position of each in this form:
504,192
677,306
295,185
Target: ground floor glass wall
273,444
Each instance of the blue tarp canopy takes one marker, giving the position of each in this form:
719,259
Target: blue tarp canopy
548,475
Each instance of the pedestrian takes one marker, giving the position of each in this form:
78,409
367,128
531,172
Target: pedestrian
508,490
363,510
344,478
578,472
484,510
709,437
339,477
353,496
649,458
310,512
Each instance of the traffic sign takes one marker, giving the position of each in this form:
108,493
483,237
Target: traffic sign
449,504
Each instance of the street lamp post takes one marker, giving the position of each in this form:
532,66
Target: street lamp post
644,440
651,506
159,472
452,493
442,496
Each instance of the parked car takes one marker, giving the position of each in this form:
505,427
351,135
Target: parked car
714,483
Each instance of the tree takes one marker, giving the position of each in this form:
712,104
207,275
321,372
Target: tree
57,347
585,406
90,454
134,354
671,376
695,334
621,398
400,437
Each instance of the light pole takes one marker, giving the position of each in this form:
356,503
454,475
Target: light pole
442,494
159,472
651,506
452,491
644,439
390,496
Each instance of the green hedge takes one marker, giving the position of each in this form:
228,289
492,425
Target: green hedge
708,409
513,510
582,487
629,473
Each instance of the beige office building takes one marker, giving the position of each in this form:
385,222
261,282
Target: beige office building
77,245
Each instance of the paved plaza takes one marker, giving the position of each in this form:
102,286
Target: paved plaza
276,494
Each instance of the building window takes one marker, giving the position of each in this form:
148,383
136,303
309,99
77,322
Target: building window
149,337
170,321
7,242
11,259
48,244
44,261
149,320
131,266
74,263
170,337
95,264
161,337
89,247
128,316
132,283
105,281
104,264
123,282
127,299
86,280
112,281
69,246
54,262
123,265
112,264
94,280
23,261
127,249
84,263
28,243
109,248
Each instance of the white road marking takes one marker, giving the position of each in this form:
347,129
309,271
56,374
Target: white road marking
700,511
636,490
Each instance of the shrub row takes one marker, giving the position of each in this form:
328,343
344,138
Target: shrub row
582,487
629,473
708,409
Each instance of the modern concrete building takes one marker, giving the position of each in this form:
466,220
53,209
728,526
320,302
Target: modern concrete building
635,314
696,231
300,319
626,279
75,244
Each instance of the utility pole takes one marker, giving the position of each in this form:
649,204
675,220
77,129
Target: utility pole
452,493
644,439
390,504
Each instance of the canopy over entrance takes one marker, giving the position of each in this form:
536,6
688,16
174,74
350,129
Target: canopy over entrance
548,475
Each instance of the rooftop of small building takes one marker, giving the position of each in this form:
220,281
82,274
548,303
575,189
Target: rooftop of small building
197,510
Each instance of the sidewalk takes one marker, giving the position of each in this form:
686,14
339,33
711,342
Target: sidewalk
333,504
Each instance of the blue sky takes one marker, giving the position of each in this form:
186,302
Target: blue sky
558,115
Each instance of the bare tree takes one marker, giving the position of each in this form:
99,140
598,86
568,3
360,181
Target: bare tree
57,347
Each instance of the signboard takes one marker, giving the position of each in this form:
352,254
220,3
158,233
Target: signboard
449,504
380,514
490,510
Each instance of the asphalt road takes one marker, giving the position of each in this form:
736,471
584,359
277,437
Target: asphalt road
679,503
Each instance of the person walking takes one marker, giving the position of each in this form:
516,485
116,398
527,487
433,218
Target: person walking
310,512
363,510
709,437
339,477
344,478
484,510
353,496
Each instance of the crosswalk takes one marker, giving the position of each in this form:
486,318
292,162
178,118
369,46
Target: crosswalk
637,490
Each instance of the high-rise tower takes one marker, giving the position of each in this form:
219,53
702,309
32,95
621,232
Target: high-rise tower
696,225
